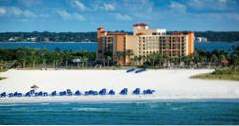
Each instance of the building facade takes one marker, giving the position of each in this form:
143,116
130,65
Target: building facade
144,41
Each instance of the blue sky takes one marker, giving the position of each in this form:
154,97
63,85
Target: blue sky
87,15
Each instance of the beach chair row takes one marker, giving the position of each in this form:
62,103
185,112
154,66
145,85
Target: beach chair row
136,70
68,92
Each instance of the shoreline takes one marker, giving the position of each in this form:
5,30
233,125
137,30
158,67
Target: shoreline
106,99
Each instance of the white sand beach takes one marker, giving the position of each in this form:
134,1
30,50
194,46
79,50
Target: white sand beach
169,84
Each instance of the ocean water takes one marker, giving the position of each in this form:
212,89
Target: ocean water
76,46
147,112
73,46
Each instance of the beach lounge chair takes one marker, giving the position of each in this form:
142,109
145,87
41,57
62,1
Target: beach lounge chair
69,92
15,94
28,94
36,94
32,91
11,95
63,93
111,92
130,70
102,92
45,94
148,91
4,94
91,92
53,93
140,70
19,94
40,93
124,91
136,91
77,93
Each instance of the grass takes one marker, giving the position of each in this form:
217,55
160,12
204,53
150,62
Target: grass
220,74
1,78
2,70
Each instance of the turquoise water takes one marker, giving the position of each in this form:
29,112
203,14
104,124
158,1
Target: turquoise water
74,46
158,112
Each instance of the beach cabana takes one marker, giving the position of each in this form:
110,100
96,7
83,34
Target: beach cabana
124,91
34,87
136,91
102,92
77,93
53,93
4,94
69,92
111,92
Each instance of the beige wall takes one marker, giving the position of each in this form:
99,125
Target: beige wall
131,44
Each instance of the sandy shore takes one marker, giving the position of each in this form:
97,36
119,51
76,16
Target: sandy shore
169,84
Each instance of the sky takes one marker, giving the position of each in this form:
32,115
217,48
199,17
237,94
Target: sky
87,15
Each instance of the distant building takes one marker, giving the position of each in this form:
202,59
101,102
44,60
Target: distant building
32,39
144,41
201,39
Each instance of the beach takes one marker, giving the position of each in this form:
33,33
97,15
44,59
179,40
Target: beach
168,84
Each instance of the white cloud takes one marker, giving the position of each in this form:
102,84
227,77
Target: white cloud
70,16
20,12
79,5
175,6
123,17
213,5
109,7
2,11
29,3
17,12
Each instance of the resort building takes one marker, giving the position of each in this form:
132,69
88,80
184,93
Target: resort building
122,47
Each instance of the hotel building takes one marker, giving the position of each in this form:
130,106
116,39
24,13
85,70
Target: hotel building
143,42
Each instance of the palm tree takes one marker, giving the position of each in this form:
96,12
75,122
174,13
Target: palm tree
108,60
214,59
128,54
135,59
119,56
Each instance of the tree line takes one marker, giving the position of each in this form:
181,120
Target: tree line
35,58
42,58
229,36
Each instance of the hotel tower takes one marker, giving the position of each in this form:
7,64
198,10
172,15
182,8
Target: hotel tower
143,42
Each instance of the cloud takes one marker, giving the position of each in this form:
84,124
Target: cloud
29,3
212,5
17,12
79,5
123,17
109,7
70,16
2,11
175,6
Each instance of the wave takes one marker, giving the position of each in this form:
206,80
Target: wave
91,109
